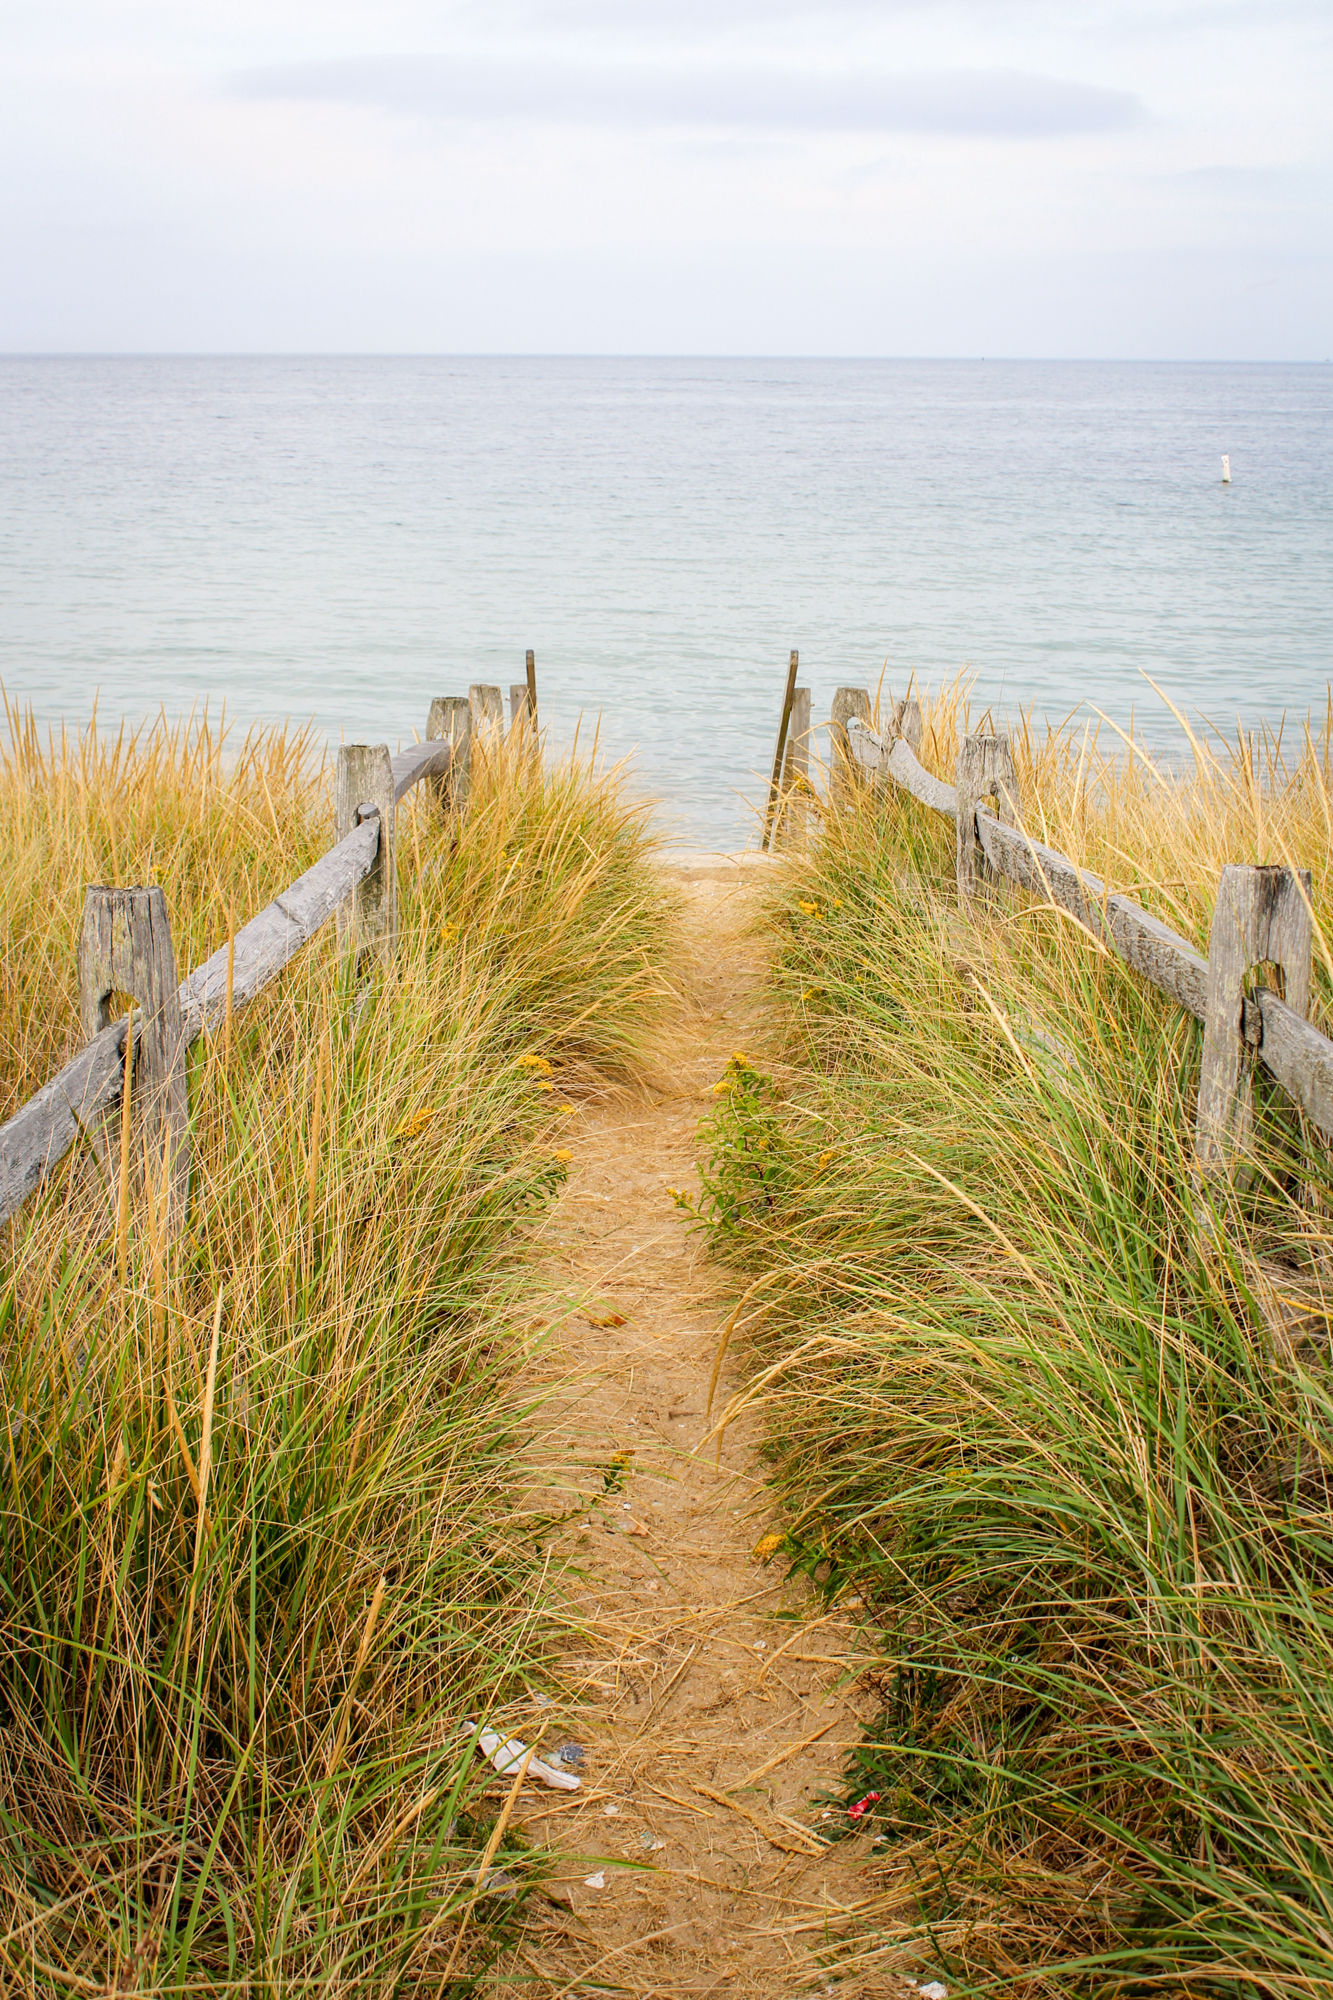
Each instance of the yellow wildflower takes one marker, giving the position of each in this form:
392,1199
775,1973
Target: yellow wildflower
418,1122
449,933
722,1086
568,1109
538,1063
542,1084
563,1153
824,1159
768,1546
811,909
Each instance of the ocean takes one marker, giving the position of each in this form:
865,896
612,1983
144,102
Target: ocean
338,540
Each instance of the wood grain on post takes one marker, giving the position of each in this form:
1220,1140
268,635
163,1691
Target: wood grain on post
849,705
985,771
365,788
450,721
518,703
906,722
532,686
1260,918
775,782
793,808
125,947
488,709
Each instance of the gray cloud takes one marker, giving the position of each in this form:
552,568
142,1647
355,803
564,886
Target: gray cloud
997,103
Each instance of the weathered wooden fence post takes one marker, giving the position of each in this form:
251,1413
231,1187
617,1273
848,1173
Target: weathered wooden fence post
488,709
125,947
519,705
905,721
450,721
775,782
985,770
793,810
365,787
1260,918
848,702
532,686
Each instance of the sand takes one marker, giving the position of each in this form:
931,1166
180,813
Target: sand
718,1700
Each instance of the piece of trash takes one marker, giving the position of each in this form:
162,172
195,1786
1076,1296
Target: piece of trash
761,1645
597,1881
612,1811
570,1753
605,1319
855,1812
507,1753
936,1990
647,1840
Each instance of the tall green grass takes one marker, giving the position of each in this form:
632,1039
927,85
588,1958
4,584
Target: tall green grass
1065,1425
260,1555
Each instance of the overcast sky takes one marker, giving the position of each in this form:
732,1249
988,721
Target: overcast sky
1144,178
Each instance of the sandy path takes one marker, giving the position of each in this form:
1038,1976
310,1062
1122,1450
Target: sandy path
699,1666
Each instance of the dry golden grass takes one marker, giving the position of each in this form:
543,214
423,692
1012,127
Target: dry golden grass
259,1555
1161,834
219,824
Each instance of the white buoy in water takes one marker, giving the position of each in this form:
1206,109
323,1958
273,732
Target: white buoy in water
1226,468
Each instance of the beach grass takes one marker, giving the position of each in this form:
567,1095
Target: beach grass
263,1568
1059,1419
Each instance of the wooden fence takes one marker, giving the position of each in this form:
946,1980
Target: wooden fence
125,948
1262,917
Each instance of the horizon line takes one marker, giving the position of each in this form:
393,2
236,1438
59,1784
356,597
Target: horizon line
634,354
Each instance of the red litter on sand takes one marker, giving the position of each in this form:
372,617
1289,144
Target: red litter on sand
855,1812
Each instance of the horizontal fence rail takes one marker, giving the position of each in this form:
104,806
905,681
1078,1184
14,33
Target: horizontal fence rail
1262,917
76,1101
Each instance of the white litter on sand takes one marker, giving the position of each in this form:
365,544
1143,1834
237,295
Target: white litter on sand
507,1753
597,1881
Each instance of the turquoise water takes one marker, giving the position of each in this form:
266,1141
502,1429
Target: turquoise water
341,539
